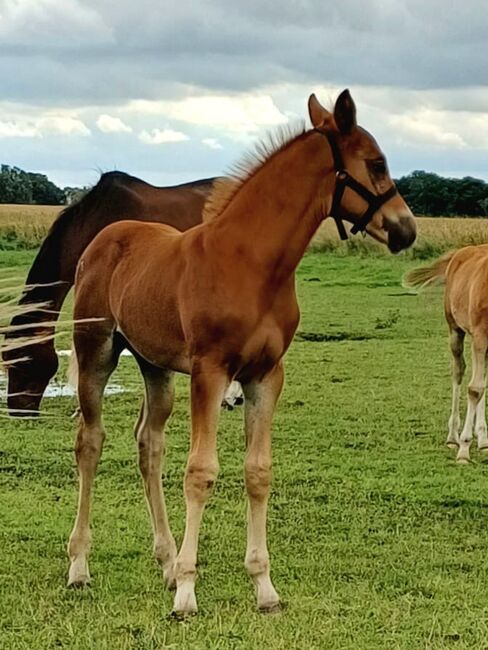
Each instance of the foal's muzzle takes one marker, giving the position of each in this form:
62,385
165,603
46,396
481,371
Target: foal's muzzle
401,232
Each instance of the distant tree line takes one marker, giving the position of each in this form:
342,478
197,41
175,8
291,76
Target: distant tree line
433,195
19,186
425,192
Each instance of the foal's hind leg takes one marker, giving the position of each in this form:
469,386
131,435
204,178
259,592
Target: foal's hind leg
156,409
480,429
458,366
260,402
476,392
96,362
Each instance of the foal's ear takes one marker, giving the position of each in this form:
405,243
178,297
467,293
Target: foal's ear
345,113
318,114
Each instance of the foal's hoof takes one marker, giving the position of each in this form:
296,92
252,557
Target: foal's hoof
181,617
271,608
452,445
463,461
483,449
78,582
79,574
185,602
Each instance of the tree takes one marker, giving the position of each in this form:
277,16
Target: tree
44,191
433,195
18,186
15,185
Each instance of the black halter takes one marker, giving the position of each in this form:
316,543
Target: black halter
343,180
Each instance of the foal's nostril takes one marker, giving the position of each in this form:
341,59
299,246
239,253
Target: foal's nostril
239,401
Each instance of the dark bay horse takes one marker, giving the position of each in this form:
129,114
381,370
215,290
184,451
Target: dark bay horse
116,196
465,274
218,302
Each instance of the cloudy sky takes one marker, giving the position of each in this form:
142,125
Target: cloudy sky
174,91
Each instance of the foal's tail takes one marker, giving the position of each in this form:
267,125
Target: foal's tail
427,276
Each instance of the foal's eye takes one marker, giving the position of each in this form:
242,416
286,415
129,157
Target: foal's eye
378,166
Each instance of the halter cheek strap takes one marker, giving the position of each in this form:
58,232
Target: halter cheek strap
343,180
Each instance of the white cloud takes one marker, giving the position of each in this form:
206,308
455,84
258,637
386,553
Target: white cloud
63,125
427,127
156,136
244,113
43,126
109,124
16,130
212,143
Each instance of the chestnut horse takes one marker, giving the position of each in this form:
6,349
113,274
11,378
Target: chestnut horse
218,302
465,274
115,197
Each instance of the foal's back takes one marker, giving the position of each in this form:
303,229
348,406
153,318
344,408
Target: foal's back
466,295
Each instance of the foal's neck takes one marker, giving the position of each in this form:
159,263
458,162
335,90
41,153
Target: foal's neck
276,212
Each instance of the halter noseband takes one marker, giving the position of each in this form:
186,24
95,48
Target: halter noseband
343,180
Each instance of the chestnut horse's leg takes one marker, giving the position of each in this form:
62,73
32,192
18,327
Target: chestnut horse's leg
458,366
480,429
476,391
208,384
97,358
261,397
158,403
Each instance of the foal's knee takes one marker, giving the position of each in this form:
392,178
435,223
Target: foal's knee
476,393
258,478
200,479
88,442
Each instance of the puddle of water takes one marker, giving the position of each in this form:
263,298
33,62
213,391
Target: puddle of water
233,397
57,389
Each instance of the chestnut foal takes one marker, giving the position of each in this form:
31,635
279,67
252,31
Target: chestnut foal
465,273
218,302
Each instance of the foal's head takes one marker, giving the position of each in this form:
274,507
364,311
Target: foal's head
363,162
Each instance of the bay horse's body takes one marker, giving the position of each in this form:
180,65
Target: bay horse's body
465,274
217,302
116,197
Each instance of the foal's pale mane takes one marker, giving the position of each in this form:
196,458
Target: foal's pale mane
226,188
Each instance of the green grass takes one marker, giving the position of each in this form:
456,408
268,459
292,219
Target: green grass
377,539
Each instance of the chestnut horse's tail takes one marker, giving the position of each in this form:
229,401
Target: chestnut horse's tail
427,276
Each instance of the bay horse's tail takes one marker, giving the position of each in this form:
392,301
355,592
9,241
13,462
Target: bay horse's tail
427,276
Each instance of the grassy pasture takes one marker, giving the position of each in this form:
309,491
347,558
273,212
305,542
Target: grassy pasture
377,539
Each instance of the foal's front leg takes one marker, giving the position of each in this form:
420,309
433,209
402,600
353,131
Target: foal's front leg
261,397
208,384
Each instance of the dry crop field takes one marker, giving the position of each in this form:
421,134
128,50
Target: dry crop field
25,226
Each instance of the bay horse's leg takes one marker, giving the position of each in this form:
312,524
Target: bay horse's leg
261,397
158,403
97,358
458,366
208,384
476,391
